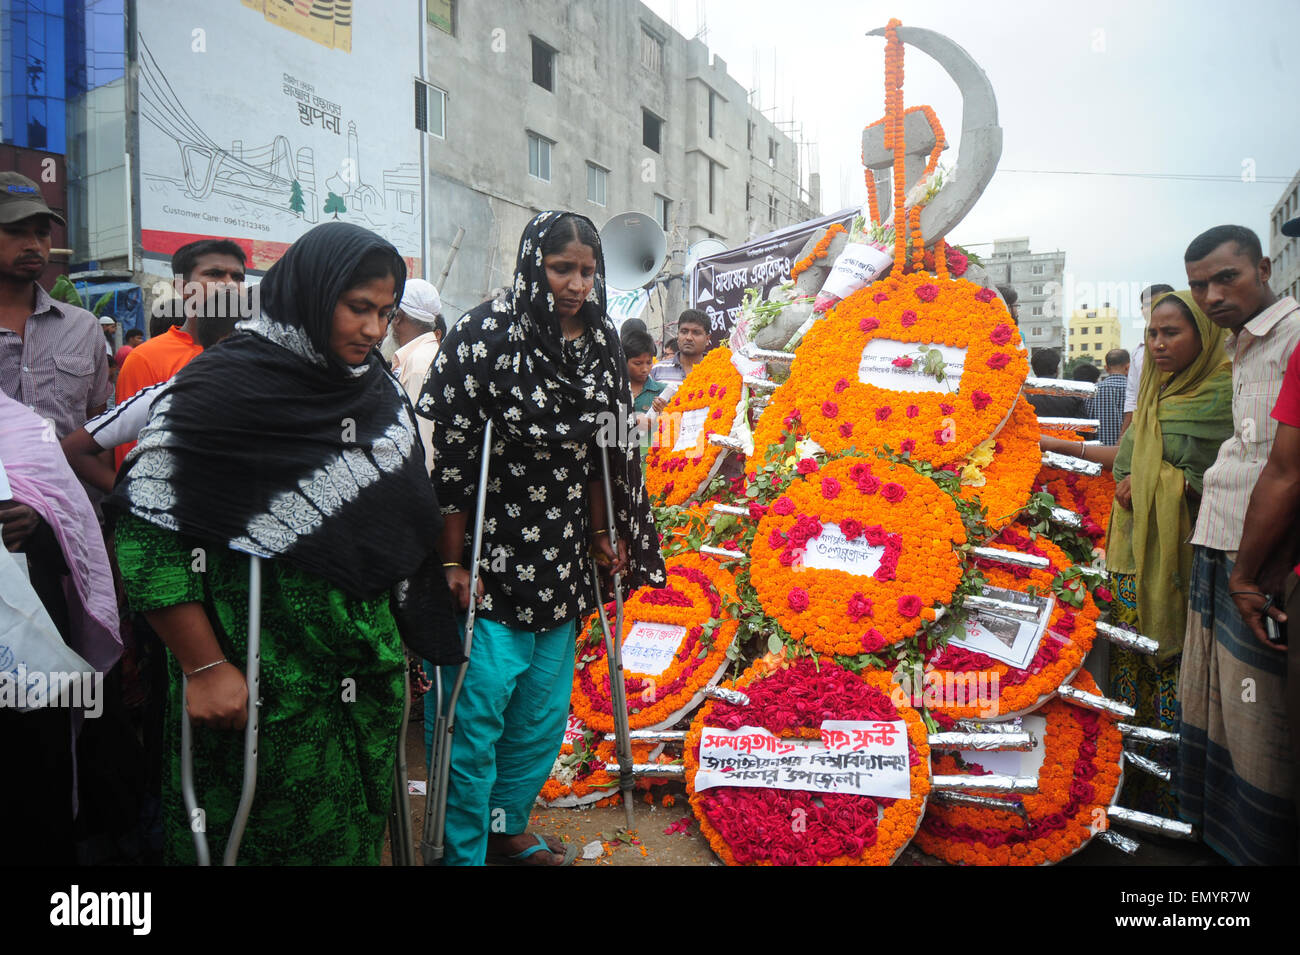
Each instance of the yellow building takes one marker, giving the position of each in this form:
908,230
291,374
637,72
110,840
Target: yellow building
1093,332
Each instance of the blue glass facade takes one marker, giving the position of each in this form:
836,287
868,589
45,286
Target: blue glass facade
33,41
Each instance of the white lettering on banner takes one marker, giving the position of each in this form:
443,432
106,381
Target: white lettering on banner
692,425
650,647
769,269
857,757
831,550
734,279
573,730
877,366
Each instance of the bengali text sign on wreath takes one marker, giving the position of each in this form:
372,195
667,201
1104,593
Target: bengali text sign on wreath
1069,636
853,557
710,401
675,641
1077,763
768,826
868,375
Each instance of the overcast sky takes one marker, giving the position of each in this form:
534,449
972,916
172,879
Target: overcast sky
1162,88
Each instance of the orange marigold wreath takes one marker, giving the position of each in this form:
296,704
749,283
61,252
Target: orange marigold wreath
841,411
753,826
714,386
890,506
1078,779
1009,476
696,596
1069,637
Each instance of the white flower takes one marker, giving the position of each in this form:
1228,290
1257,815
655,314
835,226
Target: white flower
551,553
471,386
460,421
550,301
575,492
441,361
536,431
526,573
546,594
451,474
486,603
503,362
536,493
568,530
517,392
512,414
561,611
489,323
513,510
561,427
462,351
552,514
517,469
560,473
490,525
539,397
531,533
526,614
543,455
564,570
448,393
426,401
479,350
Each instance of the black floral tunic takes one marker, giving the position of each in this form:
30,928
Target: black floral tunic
551,402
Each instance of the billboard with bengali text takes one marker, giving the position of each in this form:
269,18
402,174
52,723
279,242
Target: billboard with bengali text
260,119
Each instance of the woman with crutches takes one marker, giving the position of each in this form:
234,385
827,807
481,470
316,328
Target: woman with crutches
292,443
545,367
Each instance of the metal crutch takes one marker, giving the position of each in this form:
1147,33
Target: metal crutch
400,833
435,807
252,677
614,655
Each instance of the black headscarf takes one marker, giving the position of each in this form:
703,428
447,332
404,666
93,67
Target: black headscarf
272,444
540,396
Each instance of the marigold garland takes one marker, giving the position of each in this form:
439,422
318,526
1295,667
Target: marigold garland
1090,496
818,252
672,477
697,592
1013,459
1076,782
842,412
833,611
579,776
753,826
1069,637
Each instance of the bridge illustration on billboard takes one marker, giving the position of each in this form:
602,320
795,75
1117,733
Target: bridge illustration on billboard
273,175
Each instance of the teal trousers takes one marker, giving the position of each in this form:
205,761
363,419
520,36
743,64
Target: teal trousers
510,722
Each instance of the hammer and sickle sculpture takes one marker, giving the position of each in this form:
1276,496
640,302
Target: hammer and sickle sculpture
981,138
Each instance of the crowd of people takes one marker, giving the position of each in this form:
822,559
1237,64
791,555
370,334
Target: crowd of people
269,453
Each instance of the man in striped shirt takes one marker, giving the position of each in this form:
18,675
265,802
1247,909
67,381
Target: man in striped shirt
1107,402
1234,751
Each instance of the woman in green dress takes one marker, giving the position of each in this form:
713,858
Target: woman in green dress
292,442
1184,414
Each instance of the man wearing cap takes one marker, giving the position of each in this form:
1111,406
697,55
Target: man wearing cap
52,355
417,329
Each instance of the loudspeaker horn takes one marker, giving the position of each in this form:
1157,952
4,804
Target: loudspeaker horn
635,250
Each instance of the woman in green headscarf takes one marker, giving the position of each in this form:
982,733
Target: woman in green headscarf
1184,413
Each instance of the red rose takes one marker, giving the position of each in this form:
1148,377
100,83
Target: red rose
893,492
883,413
850,528
957,263
776,540
986,295
873,641
908,318
830,488
756,509
830,409
909,605
791,419
841,385
902,361
907,445
869,324
1001,335
880,297
980,399
783,506
941,436
668,489
875,535
859,607
846,429
713,390
806,466
946,408
869,484
999,360
798,599
789,555
1103,594
722,391
927,292
858,471
913,411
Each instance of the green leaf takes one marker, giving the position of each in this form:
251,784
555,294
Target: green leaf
774,644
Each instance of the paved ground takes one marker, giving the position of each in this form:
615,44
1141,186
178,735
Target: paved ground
682,844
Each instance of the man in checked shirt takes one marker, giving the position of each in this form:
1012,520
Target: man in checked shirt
52,356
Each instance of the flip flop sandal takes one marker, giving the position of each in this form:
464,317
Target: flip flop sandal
522,858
